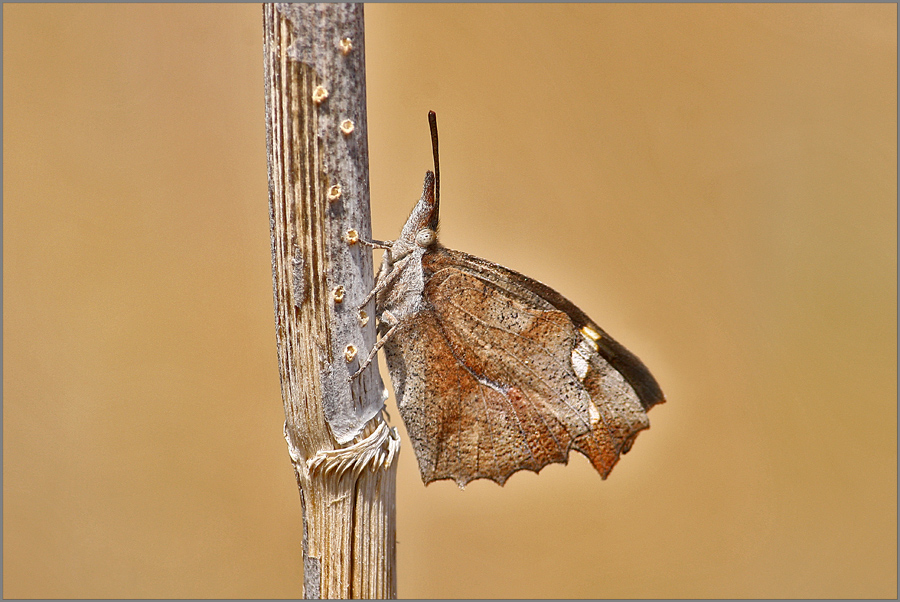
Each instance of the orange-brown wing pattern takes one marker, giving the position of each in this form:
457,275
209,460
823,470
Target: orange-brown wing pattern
538,294
617,415
529,389
494,391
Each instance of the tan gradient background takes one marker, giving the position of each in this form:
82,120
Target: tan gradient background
715,184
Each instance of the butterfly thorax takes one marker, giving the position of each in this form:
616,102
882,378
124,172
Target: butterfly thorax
403,282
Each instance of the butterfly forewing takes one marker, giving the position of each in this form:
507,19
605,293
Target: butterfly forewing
539,294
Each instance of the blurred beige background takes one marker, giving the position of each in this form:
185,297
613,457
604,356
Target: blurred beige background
715,184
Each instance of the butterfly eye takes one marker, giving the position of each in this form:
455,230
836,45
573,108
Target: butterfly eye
425,237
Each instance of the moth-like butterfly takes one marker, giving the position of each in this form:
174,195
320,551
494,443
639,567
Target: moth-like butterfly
495,372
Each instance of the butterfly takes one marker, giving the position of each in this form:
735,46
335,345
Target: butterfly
495,372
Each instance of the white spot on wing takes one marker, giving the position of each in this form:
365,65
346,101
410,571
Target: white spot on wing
595,414
579,363
591,337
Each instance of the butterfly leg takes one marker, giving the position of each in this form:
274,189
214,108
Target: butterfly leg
383,281
389,319
376,244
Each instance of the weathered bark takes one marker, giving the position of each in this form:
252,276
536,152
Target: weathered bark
343,453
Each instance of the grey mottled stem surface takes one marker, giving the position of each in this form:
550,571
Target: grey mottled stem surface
344,455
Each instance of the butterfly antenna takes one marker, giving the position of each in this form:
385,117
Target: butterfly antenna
432,122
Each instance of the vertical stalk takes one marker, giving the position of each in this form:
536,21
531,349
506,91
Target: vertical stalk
342,451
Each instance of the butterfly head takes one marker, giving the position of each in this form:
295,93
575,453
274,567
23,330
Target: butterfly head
421,226
420,230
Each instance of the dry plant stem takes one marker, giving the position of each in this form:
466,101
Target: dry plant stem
344,455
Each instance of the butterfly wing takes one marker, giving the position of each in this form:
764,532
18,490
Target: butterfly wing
620,386
621,359
508,379
493,391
